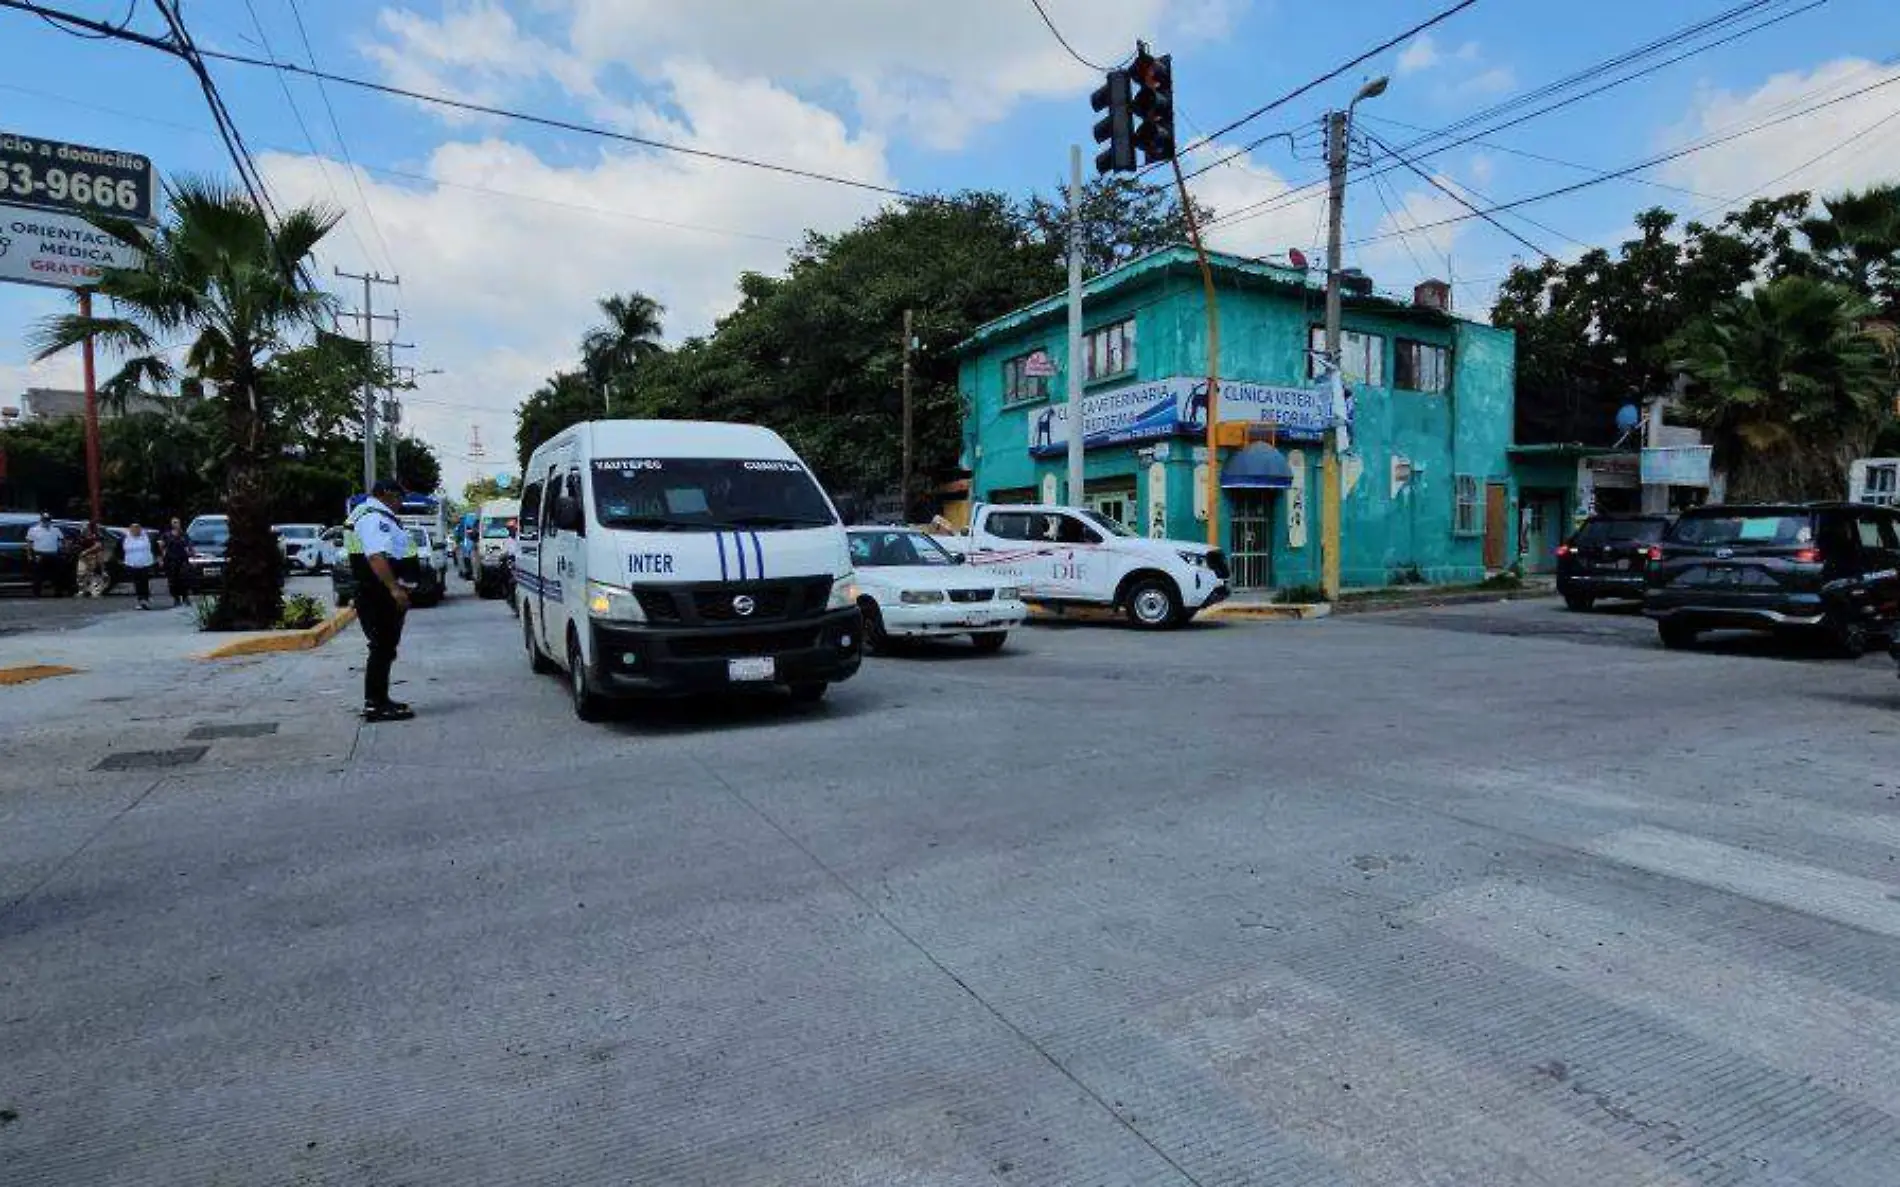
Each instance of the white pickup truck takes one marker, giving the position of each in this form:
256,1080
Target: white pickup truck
1076,556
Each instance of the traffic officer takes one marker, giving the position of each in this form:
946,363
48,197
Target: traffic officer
377,543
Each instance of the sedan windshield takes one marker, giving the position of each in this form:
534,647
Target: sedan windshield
497,529
208,533
707,494
873,550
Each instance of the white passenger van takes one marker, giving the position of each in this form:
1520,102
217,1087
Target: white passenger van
658,557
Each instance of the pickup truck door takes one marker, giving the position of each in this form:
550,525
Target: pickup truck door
1073,559
1014,545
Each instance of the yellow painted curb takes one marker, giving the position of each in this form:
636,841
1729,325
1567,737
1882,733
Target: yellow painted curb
28,673
1268,610
303,640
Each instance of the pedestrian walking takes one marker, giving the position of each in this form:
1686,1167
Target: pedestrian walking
174,549
376,542
48,542
90,574
139,560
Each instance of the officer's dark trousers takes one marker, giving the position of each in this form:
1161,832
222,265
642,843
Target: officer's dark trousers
382,622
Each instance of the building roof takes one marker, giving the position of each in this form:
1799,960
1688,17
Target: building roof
54,403
1229,270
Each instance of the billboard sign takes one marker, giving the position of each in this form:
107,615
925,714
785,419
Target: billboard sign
59,250
1177,406
74,178
1683,465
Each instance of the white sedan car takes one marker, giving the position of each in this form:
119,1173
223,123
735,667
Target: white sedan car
910,587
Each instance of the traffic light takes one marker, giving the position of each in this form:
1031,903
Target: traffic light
1153,103
1115,131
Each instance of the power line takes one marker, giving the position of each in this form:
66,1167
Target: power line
1044,14
124,23
1816,159
1405,241
1533,156
1652,162
1296,92
544,121
1458,198
1281,200
342,145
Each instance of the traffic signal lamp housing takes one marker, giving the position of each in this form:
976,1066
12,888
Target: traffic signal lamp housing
1115,130
1153,104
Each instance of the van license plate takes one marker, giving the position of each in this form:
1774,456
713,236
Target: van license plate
751,669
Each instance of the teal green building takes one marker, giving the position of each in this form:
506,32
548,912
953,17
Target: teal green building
1428,404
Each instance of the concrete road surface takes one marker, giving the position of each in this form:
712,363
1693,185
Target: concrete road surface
1458,897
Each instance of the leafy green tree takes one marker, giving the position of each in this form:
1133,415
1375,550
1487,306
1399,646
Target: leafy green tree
1791,384
216,271
1857,244
565,399
483,490
1122,217
630,336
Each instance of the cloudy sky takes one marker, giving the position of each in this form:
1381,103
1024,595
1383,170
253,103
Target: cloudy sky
505,233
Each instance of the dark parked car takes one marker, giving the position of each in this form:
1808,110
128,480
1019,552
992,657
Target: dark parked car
1823,569
16,559
1606,558
427,583
207,539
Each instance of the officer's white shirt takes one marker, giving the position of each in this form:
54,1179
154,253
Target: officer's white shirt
45,538
381,534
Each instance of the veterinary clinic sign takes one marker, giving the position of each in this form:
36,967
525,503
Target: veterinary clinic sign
1177,406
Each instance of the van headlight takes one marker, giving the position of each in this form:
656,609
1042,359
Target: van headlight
613,603
920,597
844,593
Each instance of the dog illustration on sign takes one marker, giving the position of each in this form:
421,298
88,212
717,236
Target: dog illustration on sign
1045,428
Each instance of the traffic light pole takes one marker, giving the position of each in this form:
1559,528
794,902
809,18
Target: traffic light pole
1076,490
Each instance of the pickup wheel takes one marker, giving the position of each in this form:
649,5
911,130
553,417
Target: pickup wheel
1153,604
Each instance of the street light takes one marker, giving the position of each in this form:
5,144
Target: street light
1372,90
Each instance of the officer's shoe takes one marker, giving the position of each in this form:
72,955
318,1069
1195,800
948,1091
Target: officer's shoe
388,711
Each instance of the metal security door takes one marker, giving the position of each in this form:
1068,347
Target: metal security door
1250,540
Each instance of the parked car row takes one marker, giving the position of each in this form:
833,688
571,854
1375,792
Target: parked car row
1826,571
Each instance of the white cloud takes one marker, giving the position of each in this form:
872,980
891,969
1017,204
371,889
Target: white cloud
1420,54
1495,81
934,72
497,290
1261,222
1761,160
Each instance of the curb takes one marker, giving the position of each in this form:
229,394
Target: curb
1475,597
1267,611
28,673
303,640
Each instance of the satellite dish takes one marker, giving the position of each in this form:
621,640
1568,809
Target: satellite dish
1296,257
1628,417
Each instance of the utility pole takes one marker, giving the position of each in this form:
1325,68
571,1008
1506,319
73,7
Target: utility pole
392,417
95,500
903,491
369,319
1075,326
1338,136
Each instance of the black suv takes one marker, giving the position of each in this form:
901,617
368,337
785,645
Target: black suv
1606,558
1831,569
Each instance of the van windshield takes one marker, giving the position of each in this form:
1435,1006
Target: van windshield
707,494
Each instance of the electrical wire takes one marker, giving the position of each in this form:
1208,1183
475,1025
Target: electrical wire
58,22
1064,41
1286,197
477,108
1535,156
342,145
1459,198
1327,77
1816,159
1651,162
1405,241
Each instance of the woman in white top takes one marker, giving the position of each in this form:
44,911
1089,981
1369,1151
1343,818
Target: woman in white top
139,561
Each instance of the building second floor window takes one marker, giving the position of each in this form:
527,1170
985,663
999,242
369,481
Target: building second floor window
1109,351
1883,486
1421,367
1361,356
1021,388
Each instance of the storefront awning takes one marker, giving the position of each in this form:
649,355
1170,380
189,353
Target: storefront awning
1258,467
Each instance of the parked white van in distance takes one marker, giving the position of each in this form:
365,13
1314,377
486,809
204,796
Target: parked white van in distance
495,530
665,557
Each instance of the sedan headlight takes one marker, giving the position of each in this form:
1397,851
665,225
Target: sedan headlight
1193,558
921,597
844,593
613,603
1008,593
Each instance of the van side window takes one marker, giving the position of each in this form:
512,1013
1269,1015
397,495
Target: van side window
550,496
529,524
571,495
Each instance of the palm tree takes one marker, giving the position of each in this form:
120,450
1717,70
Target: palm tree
1792,384
216,273
1858,242
630,336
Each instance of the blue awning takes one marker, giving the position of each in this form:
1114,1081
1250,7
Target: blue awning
1257,467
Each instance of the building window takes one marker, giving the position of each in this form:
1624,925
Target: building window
1021,388
1361,356
1468,516
1883,486
1421,367
1109,351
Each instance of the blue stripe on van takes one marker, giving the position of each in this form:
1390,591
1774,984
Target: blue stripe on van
738,546
758,550
719,542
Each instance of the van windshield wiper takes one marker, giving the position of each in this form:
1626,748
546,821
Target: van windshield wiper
775,521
